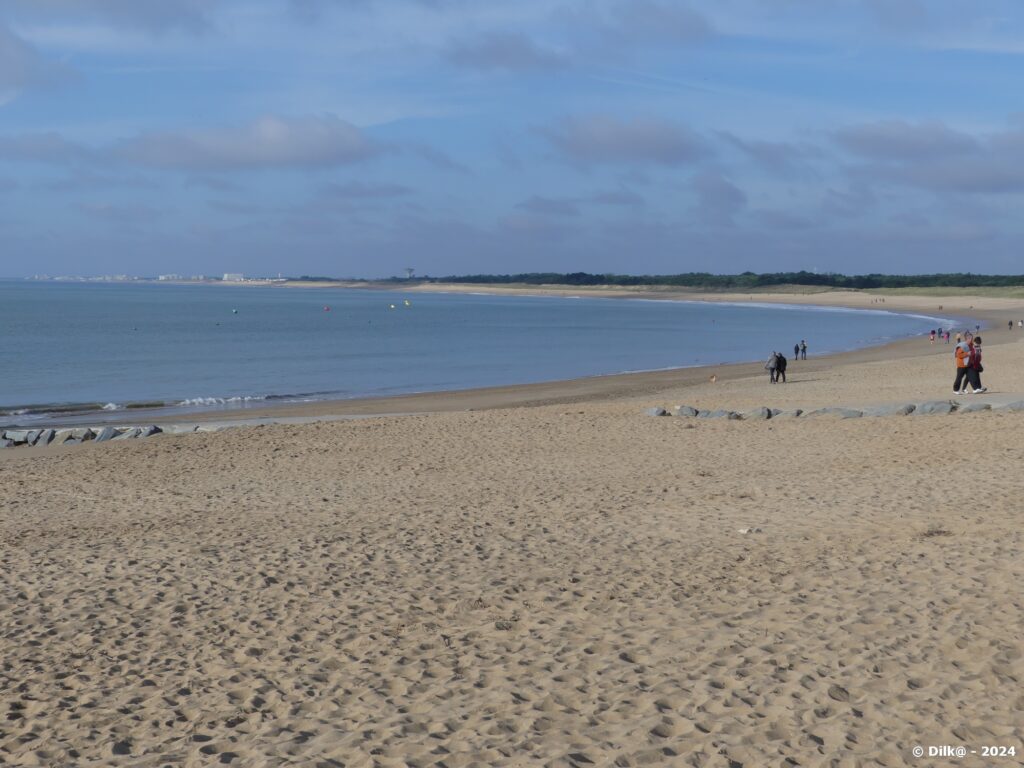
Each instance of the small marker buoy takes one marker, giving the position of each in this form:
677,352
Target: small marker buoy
234,311
408,303
327,309
391,306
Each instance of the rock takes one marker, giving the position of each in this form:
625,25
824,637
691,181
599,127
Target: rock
82,434
655,412
975,407
63,435
719,414
1017,405
179,429
128,434
686,410
33,435
842,413
891,410
18,436
793,414
750,530
45,437
107,433
72,441
758,414
149,431
935,407
5,443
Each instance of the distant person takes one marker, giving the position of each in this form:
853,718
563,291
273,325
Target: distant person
772,366
975,368
931,335
796,351
947,337
1009,326
803,349
961,353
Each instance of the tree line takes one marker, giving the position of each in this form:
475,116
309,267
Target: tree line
745,280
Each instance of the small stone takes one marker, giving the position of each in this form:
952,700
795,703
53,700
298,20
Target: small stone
655,412
503,625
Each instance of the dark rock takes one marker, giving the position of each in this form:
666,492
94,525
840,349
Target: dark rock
107,433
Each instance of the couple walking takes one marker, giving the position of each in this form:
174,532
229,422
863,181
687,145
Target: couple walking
968,366
776,367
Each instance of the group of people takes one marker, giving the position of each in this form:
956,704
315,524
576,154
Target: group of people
968,365
776,365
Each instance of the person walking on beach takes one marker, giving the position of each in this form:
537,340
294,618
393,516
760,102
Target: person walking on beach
931,336
780,369
1009,325
974,368
961,353
803,349
796,351
772,367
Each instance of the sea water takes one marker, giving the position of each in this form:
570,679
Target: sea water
89,346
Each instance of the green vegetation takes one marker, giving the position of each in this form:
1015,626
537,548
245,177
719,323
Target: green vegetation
747,281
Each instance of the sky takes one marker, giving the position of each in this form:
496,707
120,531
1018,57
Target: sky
355,138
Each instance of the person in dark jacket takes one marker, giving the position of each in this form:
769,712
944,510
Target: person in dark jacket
974,368
780,369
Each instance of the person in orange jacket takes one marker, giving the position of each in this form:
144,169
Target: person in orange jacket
962,353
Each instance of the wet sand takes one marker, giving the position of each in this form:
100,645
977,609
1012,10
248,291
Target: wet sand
559,584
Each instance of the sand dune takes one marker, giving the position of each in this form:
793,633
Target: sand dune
558,585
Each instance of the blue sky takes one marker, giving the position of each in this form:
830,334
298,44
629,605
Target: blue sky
358,137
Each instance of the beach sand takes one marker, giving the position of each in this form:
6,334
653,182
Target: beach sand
562,582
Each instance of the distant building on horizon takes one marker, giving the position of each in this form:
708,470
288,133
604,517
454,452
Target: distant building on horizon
233,277
169,277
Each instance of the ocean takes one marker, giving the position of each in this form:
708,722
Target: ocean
75,348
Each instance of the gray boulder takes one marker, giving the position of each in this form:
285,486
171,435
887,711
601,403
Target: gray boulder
933,407
891,410
149,431
62,436
719,414
128,434
842,413
758,414
81,434
1017,405
686,410
5,443
975,407
45,437
655,412
107,433
17,436
793,414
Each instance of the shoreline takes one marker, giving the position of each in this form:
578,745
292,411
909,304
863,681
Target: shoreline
986,311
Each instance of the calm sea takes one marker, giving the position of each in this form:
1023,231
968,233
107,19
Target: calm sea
110,345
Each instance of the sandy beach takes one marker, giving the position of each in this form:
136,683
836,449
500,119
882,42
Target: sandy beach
536,576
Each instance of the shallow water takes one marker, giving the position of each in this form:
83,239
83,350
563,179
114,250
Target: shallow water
93,345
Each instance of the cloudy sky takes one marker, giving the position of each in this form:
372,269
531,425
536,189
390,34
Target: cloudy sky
358,137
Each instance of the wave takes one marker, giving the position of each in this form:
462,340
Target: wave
192,401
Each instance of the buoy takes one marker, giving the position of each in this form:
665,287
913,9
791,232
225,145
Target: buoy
327,309
408,303
234,311
391,306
